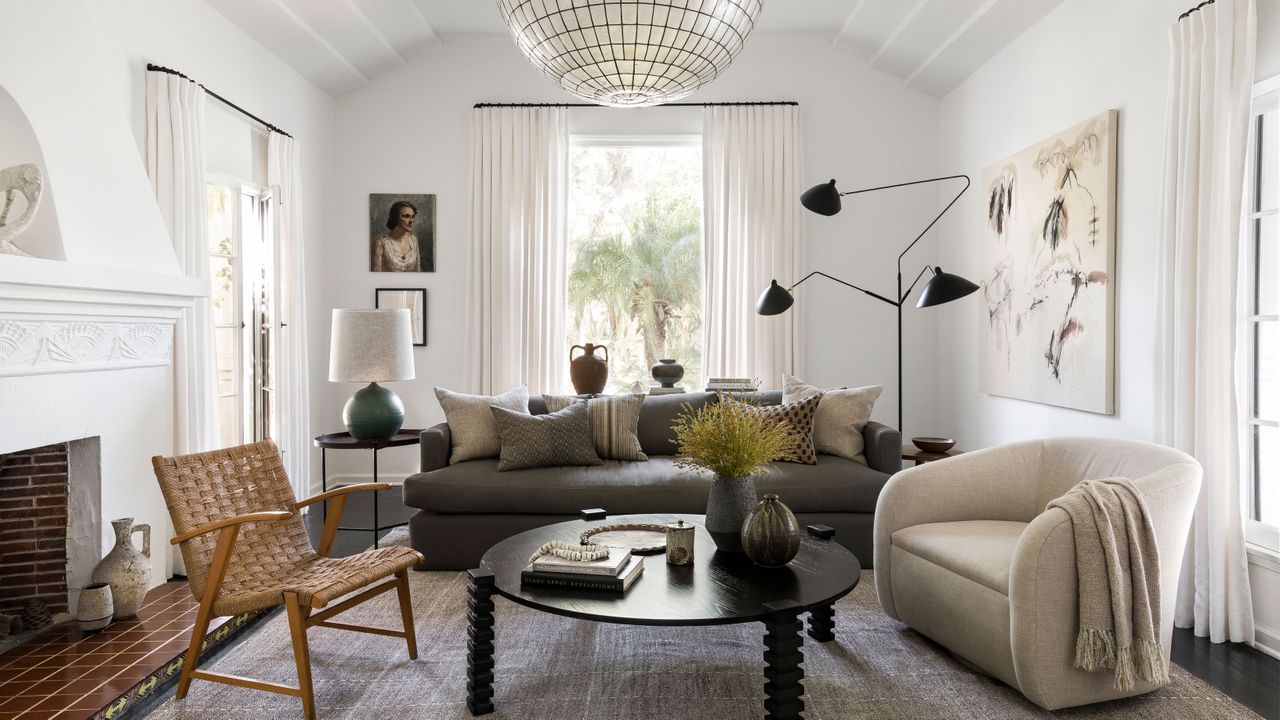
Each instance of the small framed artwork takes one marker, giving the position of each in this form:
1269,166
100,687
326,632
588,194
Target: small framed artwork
413,299
402,232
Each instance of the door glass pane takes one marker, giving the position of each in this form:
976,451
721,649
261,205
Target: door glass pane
221,219
1267,457
1267,267
223,291
228,363
229,421
1269,161
1267,357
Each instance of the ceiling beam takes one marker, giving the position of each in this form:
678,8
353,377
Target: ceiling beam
951,40
848,21
375,32
337,55
426,24
897,32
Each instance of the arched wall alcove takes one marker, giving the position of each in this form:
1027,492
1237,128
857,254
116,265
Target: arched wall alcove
18,144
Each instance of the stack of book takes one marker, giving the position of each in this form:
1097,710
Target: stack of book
615,573
659,390
731,384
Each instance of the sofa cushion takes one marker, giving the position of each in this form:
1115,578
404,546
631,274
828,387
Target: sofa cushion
798,418
842,414
613,423
656,485
980,550
556,439
473,430
659,413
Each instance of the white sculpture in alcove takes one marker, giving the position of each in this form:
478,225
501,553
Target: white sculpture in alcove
28,180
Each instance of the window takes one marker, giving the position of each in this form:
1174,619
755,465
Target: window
1261,302
241,269
635,254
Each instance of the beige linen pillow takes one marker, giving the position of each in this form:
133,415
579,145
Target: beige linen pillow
472,428
842,414
614,420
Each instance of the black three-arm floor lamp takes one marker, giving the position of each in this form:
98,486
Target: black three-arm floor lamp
942,288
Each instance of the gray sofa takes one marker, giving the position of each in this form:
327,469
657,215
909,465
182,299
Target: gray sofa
467,507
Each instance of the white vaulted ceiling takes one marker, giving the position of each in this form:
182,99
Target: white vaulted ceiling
341,45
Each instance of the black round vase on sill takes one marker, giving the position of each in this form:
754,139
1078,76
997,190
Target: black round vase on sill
667,373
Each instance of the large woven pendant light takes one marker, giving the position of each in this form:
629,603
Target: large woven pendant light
630,53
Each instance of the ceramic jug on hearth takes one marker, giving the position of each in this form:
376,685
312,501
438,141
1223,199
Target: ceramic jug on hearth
126,570
589,372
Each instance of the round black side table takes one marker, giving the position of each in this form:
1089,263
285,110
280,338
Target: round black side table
344,441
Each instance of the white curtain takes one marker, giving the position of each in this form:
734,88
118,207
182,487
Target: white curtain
176,165
1206,136
516,294
753,232
293,372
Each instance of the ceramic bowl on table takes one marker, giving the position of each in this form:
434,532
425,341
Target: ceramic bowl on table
933,444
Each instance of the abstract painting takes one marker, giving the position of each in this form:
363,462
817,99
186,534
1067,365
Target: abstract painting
1048,270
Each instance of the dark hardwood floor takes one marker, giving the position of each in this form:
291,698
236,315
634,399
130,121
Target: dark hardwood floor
1249,676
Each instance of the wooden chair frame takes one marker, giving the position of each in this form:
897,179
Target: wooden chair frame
301,616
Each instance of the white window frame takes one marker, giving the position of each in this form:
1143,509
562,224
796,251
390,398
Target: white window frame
1266,97
605,140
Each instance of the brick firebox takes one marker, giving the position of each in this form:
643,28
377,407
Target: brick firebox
33,528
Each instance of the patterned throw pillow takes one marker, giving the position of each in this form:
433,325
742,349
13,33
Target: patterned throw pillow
472,428
842,414
798,417
553,440
614,419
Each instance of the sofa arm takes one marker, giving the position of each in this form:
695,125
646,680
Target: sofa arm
993,484
436,445
883,447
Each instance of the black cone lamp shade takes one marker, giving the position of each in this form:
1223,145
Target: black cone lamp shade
775,300
943,288
823,199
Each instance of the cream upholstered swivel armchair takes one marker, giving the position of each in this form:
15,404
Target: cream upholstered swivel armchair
966,554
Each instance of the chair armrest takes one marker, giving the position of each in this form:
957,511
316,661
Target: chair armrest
228,522
436,444
340,491
883,447
993,484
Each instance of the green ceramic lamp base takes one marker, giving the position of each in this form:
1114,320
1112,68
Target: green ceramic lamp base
373,413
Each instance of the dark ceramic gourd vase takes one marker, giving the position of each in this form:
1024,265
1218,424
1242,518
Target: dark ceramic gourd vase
589,372
728,506
667,373
771,534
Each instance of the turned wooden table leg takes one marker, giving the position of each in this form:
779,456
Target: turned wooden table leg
480,642
783,675
822,623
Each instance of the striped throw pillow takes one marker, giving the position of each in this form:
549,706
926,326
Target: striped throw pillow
614,419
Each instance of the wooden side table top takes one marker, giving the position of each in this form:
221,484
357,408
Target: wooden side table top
918,456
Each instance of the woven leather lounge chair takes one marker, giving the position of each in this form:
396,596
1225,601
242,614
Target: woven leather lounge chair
246,549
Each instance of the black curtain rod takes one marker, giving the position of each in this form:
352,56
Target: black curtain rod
160,68
1188,13
674,104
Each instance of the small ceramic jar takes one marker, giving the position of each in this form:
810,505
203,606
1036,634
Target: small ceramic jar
679,543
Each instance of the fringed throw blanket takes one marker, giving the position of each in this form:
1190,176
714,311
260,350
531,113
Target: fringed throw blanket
1118,564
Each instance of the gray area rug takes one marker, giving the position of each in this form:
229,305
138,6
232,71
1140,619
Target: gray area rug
554,668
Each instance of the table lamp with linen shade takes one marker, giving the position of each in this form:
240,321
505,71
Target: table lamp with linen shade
372,346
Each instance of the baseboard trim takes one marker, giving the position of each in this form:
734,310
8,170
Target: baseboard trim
1267,640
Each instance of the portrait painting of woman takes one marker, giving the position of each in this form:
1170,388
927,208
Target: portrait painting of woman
402,232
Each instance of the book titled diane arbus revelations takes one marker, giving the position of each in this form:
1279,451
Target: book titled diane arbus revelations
614,573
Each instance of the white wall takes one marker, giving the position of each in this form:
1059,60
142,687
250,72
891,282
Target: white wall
408,132
1085,57
77,69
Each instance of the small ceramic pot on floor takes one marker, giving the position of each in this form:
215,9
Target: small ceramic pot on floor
728,506
94,608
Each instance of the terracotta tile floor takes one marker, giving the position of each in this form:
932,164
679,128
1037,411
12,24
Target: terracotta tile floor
68,674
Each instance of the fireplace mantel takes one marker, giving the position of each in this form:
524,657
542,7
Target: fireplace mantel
58,317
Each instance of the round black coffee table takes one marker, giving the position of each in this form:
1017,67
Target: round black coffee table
718,589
